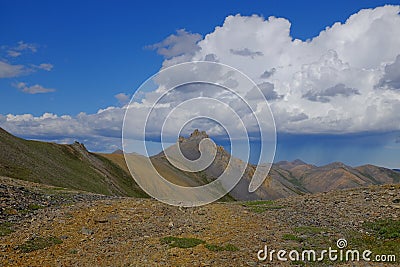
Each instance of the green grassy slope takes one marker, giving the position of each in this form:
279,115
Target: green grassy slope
70,166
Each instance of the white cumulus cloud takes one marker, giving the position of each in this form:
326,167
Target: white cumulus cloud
8,58
16,51
182,44
45,66
328,84
122,98
34,89
100,131
9,71
345,80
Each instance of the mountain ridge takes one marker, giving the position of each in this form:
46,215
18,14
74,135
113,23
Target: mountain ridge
284,179
70,166
73,166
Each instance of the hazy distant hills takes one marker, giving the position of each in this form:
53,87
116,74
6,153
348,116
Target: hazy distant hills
333,176
72,166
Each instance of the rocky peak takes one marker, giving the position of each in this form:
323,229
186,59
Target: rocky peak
80,147
190,147
195,136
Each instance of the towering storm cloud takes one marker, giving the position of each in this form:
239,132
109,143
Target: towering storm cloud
345,80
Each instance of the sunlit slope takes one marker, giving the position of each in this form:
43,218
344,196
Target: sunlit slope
70,166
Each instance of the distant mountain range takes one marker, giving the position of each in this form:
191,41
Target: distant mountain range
285,178
72,166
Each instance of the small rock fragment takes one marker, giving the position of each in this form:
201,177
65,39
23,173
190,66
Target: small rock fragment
87,231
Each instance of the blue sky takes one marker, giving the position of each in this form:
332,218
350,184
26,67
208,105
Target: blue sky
83,54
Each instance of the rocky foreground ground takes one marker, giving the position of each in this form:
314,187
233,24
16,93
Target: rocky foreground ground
48,226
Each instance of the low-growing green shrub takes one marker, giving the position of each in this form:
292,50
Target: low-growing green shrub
39,243
183,242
